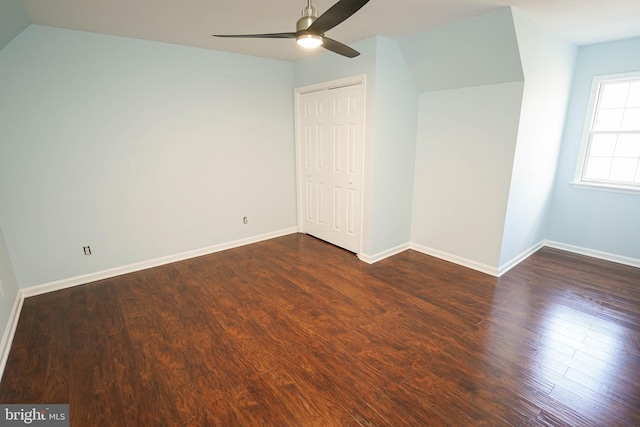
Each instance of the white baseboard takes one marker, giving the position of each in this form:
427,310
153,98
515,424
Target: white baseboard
483,268
371,259
7,338
118,271
633,262
10,331
518,259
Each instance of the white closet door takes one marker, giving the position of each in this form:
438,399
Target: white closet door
331,124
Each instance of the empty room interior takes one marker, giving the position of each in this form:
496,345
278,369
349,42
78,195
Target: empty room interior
432,218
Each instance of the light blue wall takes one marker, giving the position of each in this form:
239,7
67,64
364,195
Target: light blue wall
396,113
472,82
390,129
327,66
13,19
597,220
9,285
143,149
547,63
474,52
464,159
139,149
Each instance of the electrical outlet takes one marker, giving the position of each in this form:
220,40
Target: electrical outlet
245,220
1,290
87,250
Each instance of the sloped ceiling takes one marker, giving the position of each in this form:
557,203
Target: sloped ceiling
192,23
478,51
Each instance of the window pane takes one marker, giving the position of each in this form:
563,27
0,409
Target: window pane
603,144
614,95
598,168
623,169
609,119
612,152
631,119
634,95
628,145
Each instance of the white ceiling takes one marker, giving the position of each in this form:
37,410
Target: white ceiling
192,22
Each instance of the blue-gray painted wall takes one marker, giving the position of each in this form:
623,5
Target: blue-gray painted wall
597,220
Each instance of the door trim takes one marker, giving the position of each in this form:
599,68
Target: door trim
360,79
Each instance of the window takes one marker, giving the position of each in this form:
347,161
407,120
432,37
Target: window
610,157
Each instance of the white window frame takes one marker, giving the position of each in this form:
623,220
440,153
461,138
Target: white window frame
586,137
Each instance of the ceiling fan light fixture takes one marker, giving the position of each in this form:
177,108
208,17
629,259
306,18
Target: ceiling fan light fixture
310,28
309,41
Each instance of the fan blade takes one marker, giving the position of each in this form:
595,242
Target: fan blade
339,48
260,36
335,15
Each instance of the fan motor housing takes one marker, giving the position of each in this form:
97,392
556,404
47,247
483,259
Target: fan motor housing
309,14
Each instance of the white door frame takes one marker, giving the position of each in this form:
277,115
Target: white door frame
298,92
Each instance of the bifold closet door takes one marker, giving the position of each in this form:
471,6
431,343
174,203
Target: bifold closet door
331,124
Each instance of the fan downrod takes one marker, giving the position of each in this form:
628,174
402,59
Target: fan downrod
309,14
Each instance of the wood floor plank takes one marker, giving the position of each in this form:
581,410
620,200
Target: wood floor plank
44,355
295,332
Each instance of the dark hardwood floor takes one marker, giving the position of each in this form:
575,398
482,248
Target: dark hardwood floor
295,332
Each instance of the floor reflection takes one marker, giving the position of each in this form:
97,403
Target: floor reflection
569,357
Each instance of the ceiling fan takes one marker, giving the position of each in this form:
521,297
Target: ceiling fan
310,28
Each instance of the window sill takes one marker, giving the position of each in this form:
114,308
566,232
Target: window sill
605,187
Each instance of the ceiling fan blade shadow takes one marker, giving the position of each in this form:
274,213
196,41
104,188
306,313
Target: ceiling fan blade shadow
339,48
259,36
336,14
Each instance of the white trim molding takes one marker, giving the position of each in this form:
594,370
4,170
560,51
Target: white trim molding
497,272
606,256
333,84
519,258
118,271
10,331
605,187
371,259
589,129
360,79
12,323
483,268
